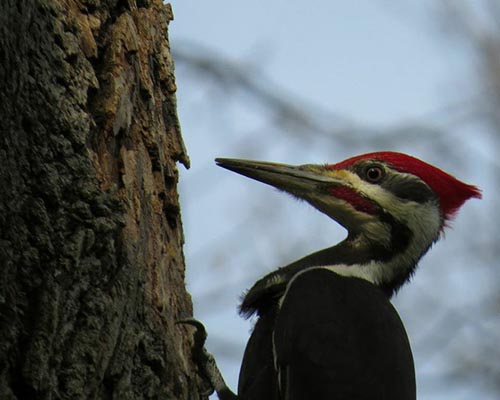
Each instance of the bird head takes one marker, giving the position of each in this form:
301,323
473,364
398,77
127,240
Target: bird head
393,205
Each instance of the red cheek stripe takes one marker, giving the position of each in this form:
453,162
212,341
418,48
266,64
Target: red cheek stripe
451,192
352,197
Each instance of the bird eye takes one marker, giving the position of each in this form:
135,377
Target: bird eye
374,174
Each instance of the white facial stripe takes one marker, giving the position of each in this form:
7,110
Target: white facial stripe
375,192
423,219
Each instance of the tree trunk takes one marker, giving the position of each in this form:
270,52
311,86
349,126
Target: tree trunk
92,269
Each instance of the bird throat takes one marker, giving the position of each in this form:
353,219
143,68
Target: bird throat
387,264
340,259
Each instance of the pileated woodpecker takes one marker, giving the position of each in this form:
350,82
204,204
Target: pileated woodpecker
326,328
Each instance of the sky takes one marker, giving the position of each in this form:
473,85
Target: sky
373,62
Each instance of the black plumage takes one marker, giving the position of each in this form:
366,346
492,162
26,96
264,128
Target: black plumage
334,337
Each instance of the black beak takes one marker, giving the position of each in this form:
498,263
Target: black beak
290,178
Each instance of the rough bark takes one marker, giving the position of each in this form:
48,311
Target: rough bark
92,269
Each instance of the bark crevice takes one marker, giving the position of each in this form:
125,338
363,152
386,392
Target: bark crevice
90,229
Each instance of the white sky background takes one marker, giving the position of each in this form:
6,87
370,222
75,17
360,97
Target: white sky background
373,62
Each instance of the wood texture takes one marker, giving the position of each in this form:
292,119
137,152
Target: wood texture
90,229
